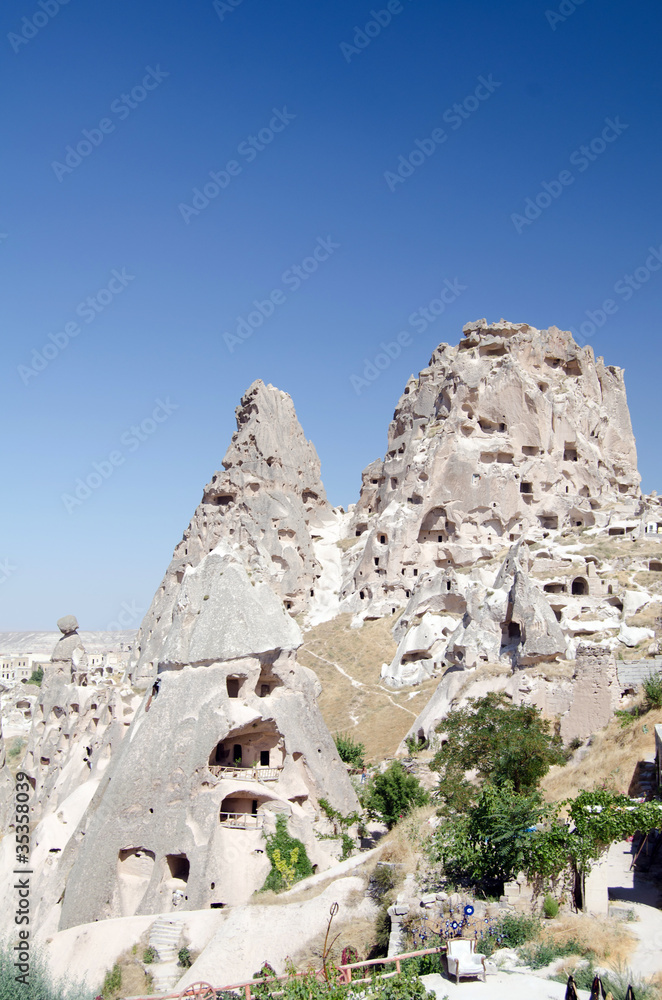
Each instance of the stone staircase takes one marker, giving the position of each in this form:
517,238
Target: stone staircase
164,938
644,780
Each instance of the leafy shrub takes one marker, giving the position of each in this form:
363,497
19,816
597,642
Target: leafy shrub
626,716
392,795
348,846
546,952
113,981
150,955
382,880
406,986
491,843
265,971
415,744
40,984
424,965
184,958
289,861
37,676
653,691
517,930
550,907
511,932
349,750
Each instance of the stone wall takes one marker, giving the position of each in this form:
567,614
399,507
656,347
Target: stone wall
596,693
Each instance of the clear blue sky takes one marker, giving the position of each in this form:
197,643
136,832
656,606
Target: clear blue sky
350,105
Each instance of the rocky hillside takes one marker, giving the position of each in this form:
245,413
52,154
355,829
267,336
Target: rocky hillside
502,543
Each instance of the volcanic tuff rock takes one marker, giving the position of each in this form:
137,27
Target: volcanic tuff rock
514,445
515,431
266,504
229,737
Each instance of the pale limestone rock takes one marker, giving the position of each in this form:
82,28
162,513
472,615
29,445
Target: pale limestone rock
595,696
231,696
541,635
516,432
266,505
421,651
631,635
220,616
68,659
68,624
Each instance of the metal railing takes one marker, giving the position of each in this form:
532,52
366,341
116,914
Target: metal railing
241,821
246,773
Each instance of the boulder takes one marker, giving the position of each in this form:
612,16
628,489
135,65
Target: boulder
68,624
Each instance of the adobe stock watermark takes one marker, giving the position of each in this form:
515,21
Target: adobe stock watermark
121,107
566,8
419,320
248,149
128,615
292,279
624,289
582,158
87,310
7,569
31,26
225,7
364,36
455,116
131,440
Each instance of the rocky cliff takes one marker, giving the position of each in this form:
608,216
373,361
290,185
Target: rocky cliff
494,535
515,432
265,504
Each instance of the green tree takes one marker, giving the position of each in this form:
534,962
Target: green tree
491,842
597,819
349,750
393,794
37,676
506,744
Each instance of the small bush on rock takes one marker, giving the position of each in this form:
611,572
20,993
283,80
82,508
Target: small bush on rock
289,861
184,958
392,795
113,981
653,692
349,750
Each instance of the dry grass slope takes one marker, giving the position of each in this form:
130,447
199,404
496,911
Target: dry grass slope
373,714
612,759
612,943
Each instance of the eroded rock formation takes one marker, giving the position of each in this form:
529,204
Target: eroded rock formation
514,432
229,737
265,505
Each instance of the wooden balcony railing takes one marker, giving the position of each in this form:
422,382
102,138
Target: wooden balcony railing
246,773
241,821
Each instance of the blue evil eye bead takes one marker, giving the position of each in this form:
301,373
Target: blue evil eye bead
468,911
454,925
